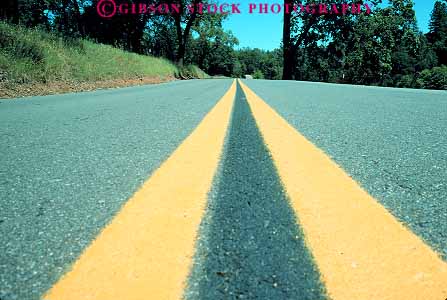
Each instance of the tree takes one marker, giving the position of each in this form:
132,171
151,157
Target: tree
293,24
183,32
160,37
212,50
383,46
126,31
10,10
251,61
301,29
437,35
288,56
33,13
435,78
380,48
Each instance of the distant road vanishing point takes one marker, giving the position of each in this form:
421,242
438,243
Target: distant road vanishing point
225,189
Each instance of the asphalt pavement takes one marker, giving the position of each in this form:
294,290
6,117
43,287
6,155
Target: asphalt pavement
69,162
250,246
391,141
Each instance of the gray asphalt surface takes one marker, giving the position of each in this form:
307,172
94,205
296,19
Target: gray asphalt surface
69,162
250,246
392,141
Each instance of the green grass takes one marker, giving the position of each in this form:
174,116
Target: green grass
33,55
191,71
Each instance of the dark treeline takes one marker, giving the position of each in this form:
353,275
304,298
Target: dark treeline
384,48
185,38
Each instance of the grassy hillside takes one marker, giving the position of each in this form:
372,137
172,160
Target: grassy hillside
32,56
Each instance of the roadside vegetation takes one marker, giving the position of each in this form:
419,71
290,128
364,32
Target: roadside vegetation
34,61
33,55
384,48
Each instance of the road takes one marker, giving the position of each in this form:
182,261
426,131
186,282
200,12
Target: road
69,162
392,141
176,190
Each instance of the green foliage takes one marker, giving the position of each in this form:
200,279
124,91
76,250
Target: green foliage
383,45
258,74
32,55
172,36
406,81
238,70
435,78
212,50
267,63
437,35
27,47
190,72
384,48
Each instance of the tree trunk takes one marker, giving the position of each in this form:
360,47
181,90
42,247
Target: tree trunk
291,48
10,11
181,47
181,53
183,35
80,24
287,45
65,4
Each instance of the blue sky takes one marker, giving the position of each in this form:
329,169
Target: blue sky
265,30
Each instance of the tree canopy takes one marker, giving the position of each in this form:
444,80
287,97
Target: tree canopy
381,46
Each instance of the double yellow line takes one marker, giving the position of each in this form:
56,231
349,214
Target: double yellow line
361,251
146,251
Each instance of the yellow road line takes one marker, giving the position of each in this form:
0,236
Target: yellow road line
361,250
146,251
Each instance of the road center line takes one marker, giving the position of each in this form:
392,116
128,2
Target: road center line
146,250
250,246
361,250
